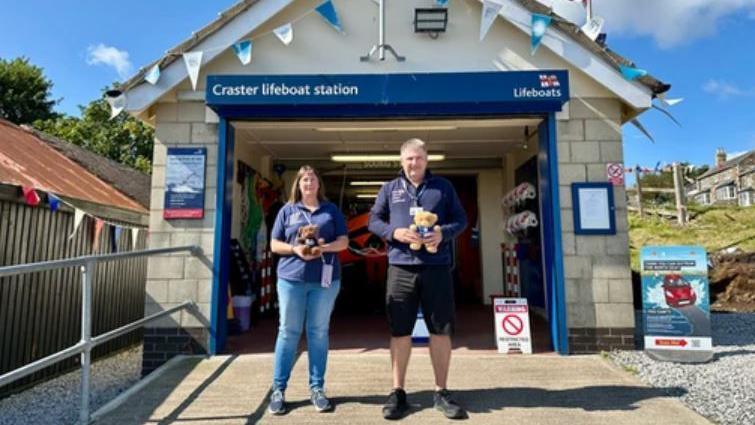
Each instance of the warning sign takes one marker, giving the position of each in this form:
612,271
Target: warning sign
512,325
615,173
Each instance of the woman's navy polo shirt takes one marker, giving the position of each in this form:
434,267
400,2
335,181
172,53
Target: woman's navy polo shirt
293,216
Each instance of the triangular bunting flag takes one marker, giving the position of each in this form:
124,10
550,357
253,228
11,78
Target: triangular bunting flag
441,3
539,26
193,61
153,75
243,51
54,202
632,73
285,33
134,238
668,114
490,11
98,225
328,12
30,196
117,101
593,27
669,102
78,216
115,236
635,122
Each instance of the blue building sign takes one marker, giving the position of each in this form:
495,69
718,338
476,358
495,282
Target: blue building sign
515,92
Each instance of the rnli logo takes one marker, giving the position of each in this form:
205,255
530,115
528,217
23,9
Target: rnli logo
549,81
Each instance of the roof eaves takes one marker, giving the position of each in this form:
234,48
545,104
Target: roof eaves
651,83
171,55
131,183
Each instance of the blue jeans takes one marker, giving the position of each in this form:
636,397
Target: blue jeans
300,301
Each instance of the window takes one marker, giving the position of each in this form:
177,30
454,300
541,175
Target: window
703,198
745,199
726,192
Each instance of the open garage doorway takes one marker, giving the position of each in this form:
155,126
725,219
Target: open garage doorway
483,159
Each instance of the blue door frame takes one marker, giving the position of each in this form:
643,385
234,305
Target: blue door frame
384,96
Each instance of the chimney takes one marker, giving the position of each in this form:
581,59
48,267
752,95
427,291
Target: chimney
720,157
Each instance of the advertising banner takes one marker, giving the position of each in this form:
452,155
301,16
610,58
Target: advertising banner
676,306
184,183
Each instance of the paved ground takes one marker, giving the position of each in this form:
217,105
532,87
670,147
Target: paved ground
539,389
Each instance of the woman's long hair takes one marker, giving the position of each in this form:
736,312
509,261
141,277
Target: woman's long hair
296,193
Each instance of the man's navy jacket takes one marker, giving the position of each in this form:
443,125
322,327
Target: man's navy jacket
391,211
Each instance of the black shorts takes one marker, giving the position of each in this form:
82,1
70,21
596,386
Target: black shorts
408,287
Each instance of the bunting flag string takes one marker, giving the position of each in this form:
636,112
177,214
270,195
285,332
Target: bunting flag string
153,75
540,25
78,217
631,73
98,225
134,237
193,61
285,33
635,122
54,202
30,196
593,27
328,12
243,51
667,113
490,10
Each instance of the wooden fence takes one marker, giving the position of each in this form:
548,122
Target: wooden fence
40,313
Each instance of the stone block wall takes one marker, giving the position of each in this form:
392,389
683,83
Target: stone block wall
175,278
600,311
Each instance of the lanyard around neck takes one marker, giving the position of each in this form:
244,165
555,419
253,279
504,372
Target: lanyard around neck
414,198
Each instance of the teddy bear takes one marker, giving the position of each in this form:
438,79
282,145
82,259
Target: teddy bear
424,223
307,236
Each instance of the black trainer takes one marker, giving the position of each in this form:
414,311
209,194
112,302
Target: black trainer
396,406
277,404
448,406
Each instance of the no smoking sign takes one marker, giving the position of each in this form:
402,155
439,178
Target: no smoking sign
512,325
615,173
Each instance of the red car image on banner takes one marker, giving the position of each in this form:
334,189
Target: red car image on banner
678,291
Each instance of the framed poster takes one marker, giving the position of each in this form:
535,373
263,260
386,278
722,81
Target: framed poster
185,183
594,210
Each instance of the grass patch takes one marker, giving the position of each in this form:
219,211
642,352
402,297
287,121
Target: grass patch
713,228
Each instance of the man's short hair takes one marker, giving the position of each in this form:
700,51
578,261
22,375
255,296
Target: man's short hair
413,143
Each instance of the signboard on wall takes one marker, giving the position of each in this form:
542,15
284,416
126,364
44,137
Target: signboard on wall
676,308
185,183
514,91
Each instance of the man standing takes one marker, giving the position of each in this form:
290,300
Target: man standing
418,277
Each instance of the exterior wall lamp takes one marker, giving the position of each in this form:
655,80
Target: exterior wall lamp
430,20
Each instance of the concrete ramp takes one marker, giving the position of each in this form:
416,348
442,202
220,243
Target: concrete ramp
540,389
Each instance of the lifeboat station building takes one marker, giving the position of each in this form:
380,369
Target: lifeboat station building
522,129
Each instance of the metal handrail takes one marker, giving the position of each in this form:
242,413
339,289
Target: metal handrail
87,342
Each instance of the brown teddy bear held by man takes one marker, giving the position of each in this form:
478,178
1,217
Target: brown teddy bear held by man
424,223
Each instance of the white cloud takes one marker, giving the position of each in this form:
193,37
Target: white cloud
670,22
110,56
724,90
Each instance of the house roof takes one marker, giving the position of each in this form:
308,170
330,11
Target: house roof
31,158
727,165
612,58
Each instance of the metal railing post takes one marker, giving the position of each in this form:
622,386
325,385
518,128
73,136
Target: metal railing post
87,270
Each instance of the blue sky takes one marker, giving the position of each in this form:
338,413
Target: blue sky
84,45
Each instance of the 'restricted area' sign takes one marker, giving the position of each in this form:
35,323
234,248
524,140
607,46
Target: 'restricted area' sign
676,306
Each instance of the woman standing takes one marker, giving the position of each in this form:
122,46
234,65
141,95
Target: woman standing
307,285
